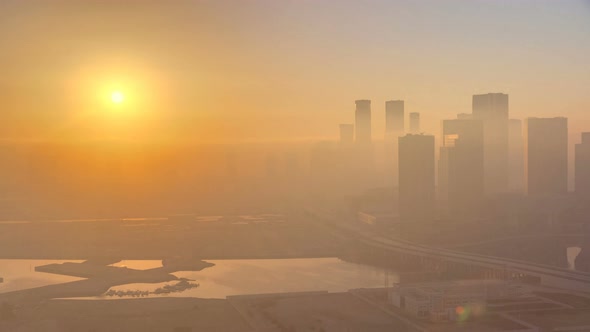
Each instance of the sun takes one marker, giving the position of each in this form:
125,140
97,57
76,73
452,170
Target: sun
117,97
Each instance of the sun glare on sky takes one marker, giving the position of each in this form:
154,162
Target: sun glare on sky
117,97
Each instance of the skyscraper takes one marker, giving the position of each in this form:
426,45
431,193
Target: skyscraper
583,166
363,122
416,177
515,156
346,134
546,156
394,116
492,110
464,116
461,167
414,122
394,128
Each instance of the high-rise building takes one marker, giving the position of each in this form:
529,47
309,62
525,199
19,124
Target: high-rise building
394,116
492,110
461,167
363,122
546,156
394,128
464,116
346,134
414,122
583,166
364,166
416,177
515,156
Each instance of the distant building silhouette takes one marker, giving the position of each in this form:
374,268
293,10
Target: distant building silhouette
461,167
394,116
364,165
363,122
515,156
394,128
324,167
492,109
346,134
416,177
546,156
464,116
583,166
414,122
348,158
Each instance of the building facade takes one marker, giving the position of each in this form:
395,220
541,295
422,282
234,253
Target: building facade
441,301
414,122
492,110
416,177
394,116
362,117
546,156
582,175
515,156
461,167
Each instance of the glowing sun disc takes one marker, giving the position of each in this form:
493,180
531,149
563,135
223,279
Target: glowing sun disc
117,97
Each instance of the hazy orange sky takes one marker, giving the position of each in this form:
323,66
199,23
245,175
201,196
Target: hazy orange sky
281,69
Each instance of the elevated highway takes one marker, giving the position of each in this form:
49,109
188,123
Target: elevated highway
496,267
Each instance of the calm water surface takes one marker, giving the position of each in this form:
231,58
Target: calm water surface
235,277
20,274
138,264
229,277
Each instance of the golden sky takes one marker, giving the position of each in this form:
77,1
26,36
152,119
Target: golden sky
280,69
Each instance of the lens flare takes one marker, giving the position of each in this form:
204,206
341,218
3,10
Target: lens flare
463,313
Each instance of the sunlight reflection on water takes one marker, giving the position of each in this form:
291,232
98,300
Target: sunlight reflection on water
235,277
20,274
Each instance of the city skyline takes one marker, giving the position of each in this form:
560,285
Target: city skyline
294,165
266,57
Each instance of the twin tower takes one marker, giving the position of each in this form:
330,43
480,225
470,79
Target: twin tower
361,131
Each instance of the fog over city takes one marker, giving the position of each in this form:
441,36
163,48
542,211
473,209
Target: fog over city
294,165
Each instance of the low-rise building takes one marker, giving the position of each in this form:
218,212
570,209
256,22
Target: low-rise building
452,300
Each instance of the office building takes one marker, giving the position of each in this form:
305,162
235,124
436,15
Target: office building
414,122
461,167
416,177
363,122
546,156
515,156
582,175
394,116
394,128
492,110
